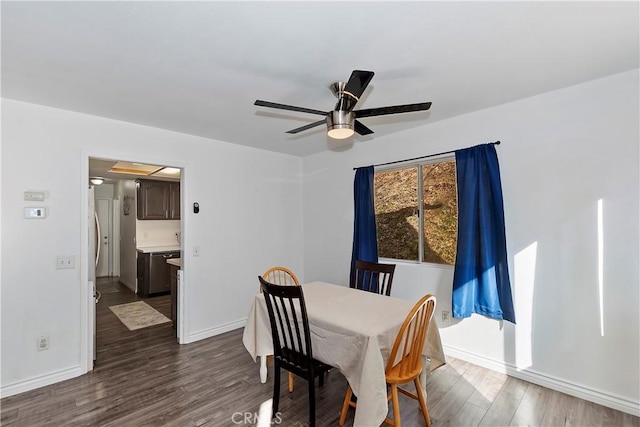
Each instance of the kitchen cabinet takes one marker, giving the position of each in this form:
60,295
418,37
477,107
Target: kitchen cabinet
174,200
174,293
143,263
158,200
154,274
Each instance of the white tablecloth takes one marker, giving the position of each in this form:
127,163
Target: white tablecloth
352,330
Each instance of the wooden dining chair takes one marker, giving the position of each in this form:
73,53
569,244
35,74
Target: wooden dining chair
405,361
373,277
291,340
281,276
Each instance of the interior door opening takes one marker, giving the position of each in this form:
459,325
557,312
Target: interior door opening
121,236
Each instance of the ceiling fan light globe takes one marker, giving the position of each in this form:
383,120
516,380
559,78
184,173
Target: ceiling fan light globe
340,132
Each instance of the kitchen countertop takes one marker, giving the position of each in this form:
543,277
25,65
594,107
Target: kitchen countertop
175,261
165,248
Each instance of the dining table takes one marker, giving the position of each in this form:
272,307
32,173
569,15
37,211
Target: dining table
352,330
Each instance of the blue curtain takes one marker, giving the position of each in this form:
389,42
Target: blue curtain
365,239
481,278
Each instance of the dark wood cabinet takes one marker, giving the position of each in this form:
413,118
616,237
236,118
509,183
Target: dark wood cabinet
143,274
174,294
158,200
154,273
174,200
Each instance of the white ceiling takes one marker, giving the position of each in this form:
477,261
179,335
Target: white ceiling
197,67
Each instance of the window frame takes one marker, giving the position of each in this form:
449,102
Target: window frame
418,164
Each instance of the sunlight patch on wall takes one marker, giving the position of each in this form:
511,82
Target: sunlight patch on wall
525,270
601,265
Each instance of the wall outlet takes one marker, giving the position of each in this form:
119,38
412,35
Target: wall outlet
43,343
446,317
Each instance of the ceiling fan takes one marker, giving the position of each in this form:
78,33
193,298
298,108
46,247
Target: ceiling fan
342,120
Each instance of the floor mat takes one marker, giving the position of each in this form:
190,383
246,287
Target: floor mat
138,315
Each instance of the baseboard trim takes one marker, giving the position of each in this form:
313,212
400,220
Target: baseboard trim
131,286
211,332
66,374
41,381
554,383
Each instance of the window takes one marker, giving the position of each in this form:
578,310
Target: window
404,196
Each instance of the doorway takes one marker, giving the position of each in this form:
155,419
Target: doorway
115,213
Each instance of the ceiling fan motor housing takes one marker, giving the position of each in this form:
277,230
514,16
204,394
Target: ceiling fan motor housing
340,123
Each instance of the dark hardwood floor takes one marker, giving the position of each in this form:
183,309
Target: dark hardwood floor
144,378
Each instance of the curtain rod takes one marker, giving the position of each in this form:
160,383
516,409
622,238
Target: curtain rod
422,157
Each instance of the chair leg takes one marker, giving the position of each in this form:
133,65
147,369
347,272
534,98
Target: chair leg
290,382
396,405
276,389
345,405
423,402
312,402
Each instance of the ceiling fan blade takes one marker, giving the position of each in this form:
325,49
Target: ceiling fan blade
309,126
395,109
288,107
358,82
361,129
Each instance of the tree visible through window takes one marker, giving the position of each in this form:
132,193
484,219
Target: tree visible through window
404,196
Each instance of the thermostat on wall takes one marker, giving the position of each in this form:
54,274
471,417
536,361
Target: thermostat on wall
35,213
34,196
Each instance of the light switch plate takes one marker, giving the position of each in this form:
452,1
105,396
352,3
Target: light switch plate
66,262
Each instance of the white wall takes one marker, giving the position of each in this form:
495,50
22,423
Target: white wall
105,191
561,153
247,197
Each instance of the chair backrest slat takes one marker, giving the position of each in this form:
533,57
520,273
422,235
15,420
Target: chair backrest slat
280,318
296,338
